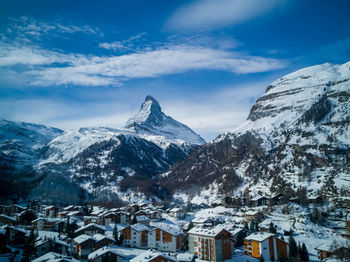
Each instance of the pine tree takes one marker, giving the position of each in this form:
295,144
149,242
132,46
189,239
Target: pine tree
134,220
29,246
272,228
115,234
304,254
293,249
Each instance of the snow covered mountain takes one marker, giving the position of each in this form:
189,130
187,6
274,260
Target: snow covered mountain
105,162
150,120
296,136
21,145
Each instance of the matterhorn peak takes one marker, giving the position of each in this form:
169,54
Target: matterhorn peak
150,114
150,119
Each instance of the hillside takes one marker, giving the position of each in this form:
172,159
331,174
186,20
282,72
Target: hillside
296,136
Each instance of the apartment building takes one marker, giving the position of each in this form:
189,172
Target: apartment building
266,245
210,244
135,236
165,238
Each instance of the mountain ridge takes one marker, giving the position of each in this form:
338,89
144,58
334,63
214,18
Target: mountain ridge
296,135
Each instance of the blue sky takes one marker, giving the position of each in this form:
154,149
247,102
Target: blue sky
71,64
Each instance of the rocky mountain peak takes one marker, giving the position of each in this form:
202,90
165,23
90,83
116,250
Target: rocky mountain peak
150,114
150,119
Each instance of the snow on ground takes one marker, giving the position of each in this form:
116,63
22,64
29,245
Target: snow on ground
304,230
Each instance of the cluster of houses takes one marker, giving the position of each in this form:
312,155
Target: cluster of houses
134,233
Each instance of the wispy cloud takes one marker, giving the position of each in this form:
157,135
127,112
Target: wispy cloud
208,14
127,44
55,68
27,29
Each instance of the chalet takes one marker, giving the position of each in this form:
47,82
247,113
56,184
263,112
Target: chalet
44,245
15,209
143,220
324,251
253,216
68,208
83,245
62,214
75,213
165,238
122,217
15,235
7,220
154,214
91,220
27,216
50,211
266,245
135,236
203,222
278,199
227,201
315,200
113,254
178,213
153,256
90,229
52,256
210,244
102,241
260,201
50,224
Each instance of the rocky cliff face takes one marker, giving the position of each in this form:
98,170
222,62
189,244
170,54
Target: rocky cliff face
296,135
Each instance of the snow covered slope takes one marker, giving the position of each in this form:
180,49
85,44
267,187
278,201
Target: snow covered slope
296,135
105,161
22,141
21,146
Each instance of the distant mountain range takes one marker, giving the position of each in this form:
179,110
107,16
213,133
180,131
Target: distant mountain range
97,163
296,137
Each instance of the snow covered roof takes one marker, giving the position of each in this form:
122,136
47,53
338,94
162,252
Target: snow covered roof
142,218
139,227
68,207
120,251
149,255
259,236
185,257
82,238
99,237
90,225
56,240
207,232
325,246
8,217
172,230
49,207
50,220
17,229
176,209
52,256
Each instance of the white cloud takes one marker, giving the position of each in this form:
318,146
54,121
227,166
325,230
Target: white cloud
30,26
208,14
111,70
127,44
